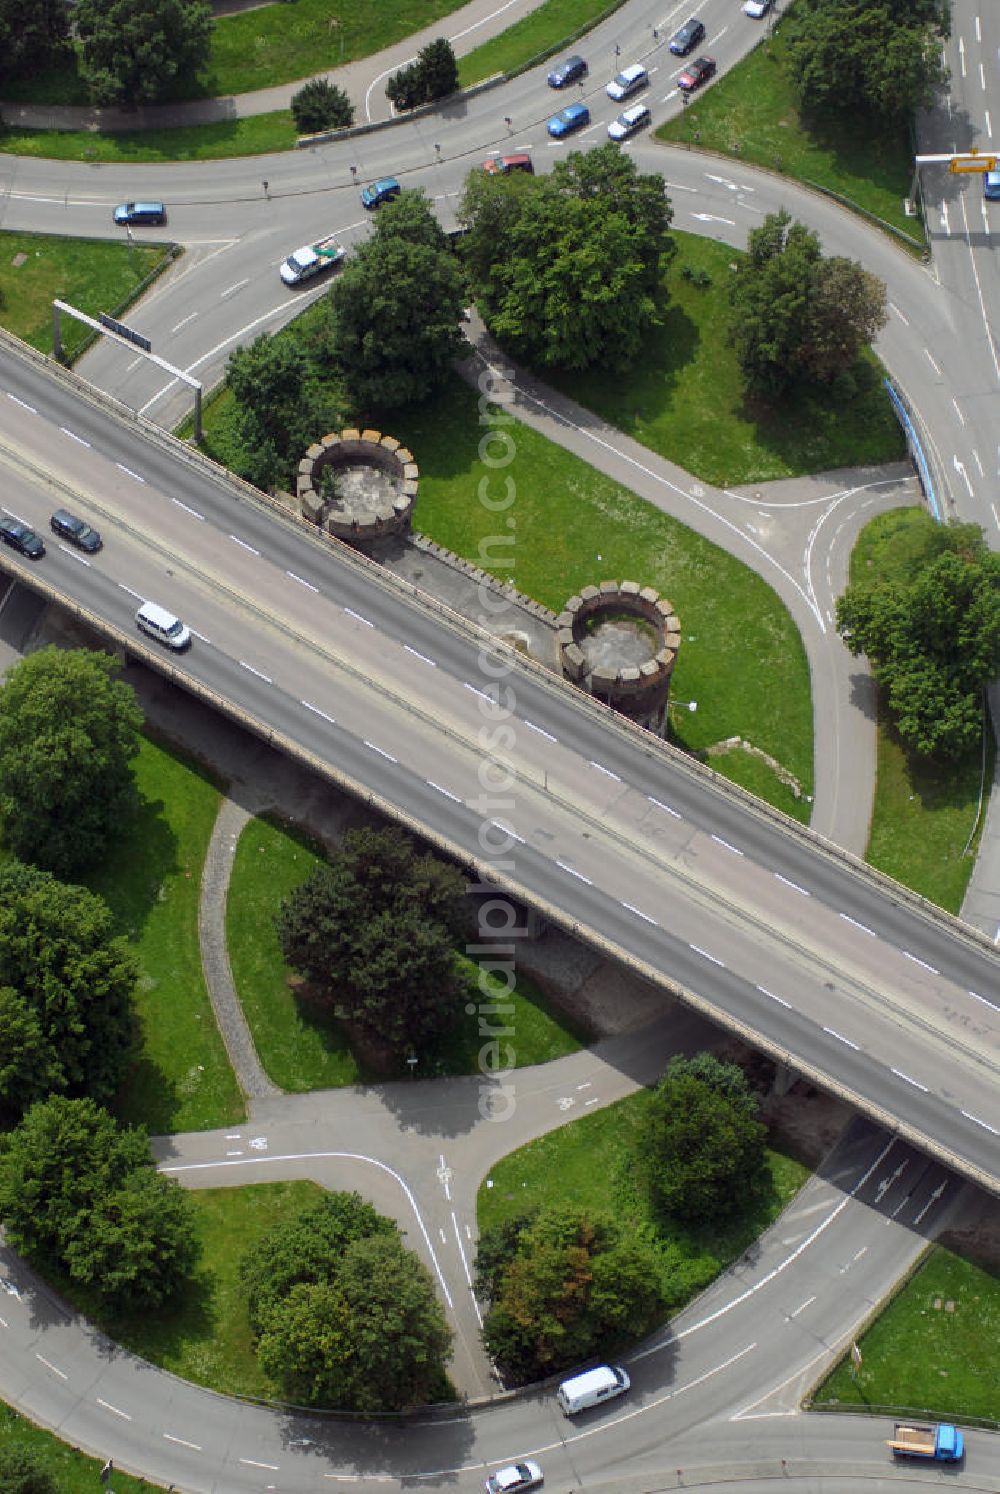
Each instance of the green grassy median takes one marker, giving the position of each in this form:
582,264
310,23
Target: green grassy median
182,1080
91,274
592,1159
752,113
554,22
300,1044
935,1349
924,829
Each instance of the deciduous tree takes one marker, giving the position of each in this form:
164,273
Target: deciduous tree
282,406
32,34
931,631
795,315
21,1471
141,51
79,1191
69,728
567,269
701,1147
398,308
306,1249
873,58
562,1287
59,953
345,1315
372,931
321,105
28,1066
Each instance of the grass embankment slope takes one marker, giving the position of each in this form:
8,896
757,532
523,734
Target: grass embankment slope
300,1044
151,879
592,1159
924,812
90,274
935,1350
752,113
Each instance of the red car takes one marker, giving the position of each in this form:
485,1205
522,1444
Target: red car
696,73
503,165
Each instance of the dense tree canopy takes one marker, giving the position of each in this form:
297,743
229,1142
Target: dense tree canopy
80,1192
567,268
797,315
866,58
702,1146
398,307
372,931
72,1025
283,402
563,1286
931,630
306,1249
321,105
141,51
68,731
32,33
432,76
345,1316
21,1471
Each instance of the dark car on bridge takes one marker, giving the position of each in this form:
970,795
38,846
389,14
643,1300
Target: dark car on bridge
22,539
79,533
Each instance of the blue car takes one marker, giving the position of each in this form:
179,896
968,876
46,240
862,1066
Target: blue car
381,191
573,117
567,71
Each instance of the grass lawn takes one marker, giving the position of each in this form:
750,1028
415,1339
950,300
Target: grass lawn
303,1048
90,274
205,1335
741,658
592,1158
257,135
683,397
182,1080
273,44
751,112
533,36
935,1349
71,1472
924,811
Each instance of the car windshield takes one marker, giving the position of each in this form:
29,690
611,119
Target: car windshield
175,627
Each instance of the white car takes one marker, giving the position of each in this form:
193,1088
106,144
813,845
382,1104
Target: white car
514,1478
757,8
627,82
628,122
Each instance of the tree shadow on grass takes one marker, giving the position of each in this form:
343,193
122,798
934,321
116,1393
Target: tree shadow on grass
812,427
136,867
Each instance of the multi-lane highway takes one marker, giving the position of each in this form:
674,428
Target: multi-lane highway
845,976
891,1004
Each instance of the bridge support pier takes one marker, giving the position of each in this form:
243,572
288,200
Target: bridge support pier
784,1077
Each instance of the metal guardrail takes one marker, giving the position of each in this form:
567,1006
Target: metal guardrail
908,418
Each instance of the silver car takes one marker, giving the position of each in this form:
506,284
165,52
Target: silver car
514,1478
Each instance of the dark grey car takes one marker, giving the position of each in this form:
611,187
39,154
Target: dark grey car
22,539
687,37
79,533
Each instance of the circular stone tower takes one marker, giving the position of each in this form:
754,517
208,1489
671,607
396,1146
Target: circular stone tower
357,485
619,641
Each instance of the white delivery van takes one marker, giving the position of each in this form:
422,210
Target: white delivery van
162,625
591,1388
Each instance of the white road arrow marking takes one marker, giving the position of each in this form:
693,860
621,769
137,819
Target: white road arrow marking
960,469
